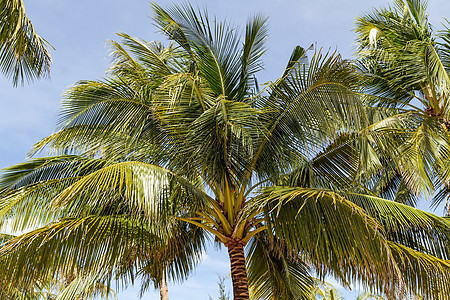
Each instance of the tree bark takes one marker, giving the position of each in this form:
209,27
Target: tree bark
238,270
163,290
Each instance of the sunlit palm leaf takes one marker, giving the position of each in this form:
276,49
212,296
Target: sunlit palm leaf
96,243
406,225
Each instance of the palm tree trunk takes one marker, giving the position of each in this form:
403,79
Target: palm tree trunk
163,290
238,270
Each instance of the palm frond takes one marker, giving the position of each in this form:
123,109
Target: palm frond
274,272
292,112
24,55
98,244
337,237
416,229
86,286
425,274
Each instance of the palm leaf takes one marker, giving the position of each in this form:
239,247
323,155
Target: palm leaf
331,241
24,54
274,272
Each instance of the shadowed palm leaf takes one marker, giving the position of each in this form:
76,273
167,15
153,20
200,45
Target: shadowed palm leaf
24,55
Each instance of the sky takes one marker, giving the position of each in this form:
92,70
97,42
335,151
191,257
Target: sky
79,30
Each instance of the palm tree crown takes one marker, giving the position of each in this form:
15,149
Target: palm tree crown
406,65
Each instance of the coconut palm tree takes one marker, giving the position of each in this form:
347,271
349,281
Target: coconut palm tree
24,55
181,134
406,67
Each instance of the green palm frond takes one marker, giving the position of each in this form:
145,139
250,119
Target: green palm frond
425,274
30,187
406,225
292,112
398,38
99,244
24,55
62,187
332,241
181,252
87,286
415,146
275,272
368,296
214,47
403,63
442,196
142,187
254,48
111,247
390,184
324,291
95,103
43,169
145,62
318,216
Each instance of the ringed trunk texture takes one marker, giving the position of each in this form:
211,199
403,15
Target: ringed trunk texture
238,270
163,290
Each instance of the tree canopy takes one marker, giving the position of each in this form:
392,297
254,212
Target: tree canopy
179,143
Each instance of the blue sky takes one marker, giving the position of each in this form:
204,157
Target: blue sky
79,31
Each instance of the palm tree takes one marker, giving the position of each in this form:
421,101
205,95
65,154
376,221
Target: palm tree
182,135
23,53
406,65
